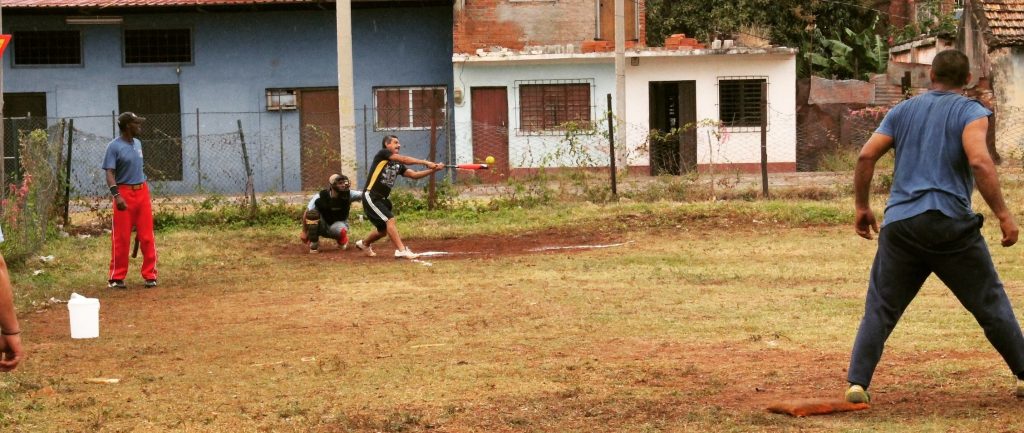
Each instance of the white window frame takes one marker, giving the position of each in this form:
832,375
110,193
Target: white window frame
412,109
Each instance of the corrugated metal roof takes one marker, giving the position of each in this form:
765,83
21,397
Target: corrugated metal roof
1001,22
140,3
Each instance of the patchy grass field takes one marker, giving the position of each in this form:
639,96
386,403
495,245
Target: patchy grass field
688,318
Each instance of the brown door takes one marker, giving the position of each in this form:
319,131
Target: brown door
490,130
320,152
607,20
160,104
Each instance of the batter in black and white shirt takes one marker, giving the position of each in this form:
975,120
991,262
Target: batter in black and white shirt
387,165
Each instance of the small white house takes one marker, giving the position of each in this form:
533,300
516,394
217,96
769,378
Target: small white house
515,106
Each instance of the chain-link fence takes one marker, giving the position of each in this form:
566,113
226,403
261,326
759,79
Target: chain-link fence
224,152
291,151
33,198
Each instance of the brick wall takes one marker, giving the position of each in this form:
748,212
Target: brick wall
516,24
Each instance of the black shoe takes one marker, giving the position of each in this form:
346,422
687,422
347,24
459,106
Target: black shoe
150,284
116,284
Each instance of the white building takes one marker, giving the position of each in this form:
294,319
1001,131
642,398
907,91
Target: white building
514,106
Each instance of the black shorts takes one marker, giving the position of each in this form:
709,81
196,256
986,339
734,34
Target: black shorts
378,210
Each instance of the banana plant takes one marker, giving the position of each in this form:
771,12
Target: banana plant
849,55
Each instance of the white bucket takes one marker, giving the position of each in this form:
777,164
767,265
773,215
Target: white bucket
85,316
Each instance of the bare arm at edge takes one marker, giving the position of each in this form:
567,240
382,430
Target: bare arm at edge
876,146
986,179
11,352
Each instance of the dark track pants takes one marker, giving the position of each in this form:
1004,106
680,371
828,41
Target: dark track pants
908,252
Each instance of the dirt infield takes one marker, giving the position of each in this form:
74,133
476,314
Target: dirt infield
673,328
552,241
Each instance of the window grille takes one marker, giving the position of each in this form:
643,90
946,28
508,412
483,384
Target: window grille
550,106
281,99
158,46
739,102
47,47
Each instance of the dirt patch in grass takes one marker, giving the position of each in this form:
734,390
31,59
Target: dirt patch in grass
263,337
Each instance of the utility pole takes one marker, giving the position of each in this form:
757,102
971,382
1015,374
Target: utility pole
346,90
620,75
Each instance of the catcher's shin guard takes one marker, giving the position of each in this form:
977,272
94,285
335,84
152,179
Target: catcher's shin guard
311,223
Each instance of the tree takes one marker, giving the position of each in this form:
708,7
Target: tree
788,23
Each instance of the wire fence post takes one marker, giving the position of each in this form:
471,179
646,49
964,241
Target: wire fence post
366,144
199,155
432,183
250,189
67,175
611,144
764,139
280,131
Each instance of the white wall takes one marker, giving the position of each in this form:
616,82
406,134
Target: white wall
532,150
734,147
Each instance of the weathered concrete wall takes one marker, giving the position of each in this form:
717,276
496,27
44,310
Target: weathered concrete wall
483,24
1008,88
824,91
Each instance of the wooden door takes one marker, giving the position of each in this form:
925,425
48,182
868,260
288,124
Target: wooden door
490,131
160,104
320,152
607,20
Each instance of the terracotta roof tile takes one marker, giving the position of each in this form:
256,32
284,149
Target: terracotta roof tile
1001,21
139,3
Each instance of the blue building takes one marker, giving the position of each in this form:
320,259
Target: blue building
207,73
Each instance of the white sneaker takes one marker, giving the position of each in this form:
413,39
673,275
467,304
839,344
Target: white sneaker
405,254
367,249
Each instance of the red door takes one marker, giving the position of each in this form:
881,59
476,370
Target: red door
320,152
490,130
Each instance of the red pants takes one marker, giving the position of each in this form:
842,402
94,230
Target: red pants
139,214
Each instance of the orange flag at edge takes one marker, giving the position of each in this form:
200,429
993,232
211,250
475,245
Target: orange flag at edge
4,41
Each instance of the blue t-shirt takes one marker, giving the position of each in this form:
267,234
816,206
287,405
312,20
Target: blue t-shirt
932,171
126,160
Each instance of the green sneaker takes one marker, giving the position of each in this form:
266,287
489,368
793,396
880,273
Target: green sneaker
857,394
1020,388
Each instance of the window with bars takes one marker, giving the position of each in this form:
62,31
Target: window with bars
158,46
47,47
739,101
409,108
548,107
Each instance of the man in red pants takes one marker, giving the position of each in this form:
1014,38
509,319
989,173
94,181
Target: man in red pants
132,206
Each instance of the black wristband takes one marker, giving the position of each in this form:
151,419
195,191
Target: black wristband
114,191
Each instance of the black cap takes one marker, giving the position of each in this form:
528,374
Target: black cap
127,117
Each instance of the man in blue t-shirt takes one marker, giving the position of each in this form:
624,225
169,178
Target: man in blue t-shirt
929,225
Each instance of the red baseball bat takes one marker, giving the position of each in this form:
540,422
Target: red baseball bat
468,167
